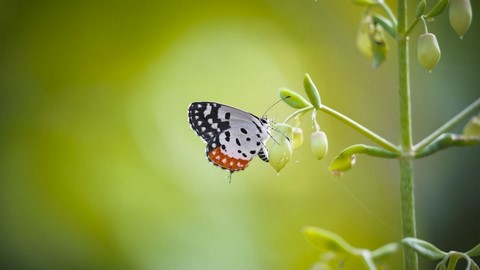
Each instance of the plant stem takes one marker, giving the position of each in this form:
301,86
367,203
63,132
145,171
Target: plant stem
363,130
348,121
475,106
406,162
298,112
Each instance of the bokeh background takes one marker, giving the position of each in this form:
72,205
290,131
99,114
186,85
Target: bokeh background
100,170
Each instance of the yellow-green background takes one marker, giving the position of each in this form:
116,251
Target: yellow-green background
100,170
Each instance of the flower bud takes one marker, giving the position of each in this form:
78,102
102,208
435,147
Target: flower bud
279,146
428,51
371,40
472,128
293,99
319,144
297,137
460,15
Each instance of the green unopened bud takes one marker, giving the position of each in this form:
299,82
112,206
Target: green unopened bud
297,138
420,8
319,144
342,163
428,51
312,92
280,146
439,7
472,128
293,99
460,15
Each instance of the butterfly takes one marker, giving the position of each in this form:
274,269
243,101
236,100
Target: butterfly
234,137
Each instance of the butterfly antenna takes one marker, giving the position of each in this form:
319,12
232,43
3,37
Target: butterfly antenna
263,116
273,127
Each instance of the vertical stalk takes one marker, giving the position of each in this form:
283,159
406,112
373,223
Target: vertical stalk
406,162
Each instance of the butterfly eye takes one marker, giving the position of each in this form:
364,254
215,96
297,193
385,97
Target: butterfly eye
264,120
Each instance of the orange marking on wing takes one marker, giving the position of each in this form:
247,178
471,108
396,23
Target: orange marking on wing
226,162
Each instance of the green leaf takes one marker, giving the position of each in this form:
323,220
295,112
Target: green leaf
420,8
438,8
424,248
474,252
312,92
293,99
327,241
386,24
384,252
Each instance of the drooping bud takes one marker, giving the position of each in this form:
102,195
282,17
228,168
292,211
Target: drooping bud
371,40
428,51
319,144
297,138
460,15
279,146
364,44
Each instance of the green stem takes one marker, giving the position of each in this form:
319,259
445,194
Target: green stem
410,28
475,106
406,162
298,112
348,121
363,130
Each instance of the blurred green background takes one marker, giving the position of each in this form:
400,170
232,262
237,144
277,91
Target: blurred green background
100,170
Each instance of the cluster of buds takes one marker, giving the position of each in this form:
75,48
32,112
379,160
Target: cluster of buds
371,40
285,138
460,16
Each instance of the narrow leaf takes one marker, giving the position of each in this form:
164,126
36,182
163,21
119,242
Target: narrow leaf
420,8
293,99
312,92
474,252
384,252
386,24
424,248
327,241
438,8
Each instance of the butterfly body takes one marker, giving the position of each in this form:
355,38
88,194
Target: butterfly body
233,136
